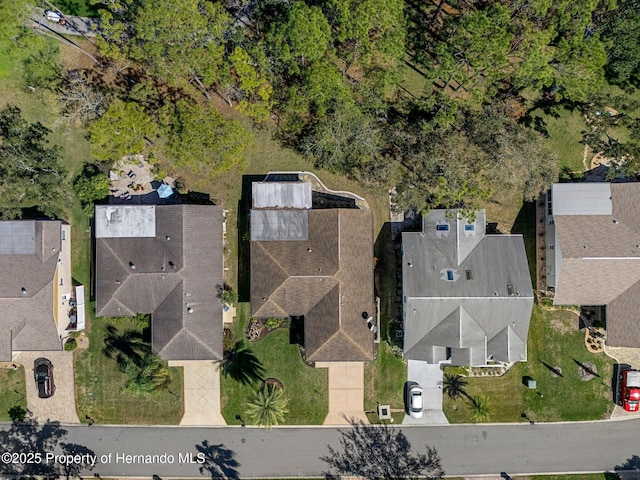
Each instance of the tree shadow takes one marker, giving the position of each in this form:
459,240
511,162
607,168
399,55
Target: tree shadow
554,370
380,451
241,364
586,368
217,460
29,436
74,469
629,470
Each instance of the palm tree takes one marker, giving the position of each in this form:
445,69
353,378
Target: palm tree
480,408
127,347
268,406
241,364
151,376
454,385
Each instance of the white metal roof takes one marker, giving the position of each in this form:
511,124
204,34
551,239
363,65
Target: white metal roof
125,221
281,195
581,199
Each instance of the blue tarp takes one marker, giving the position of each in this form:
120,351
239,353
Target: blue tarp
165,191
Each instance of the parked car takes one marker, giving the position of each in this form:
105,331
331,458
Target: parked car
630,390
53,16
43,371
414,401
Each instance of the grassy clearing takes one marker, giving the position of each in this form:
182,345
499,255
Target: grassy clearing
13,390
98,384
305,387
554,339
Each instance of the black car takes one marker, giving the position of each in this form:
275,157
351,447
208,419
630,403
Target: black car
43,371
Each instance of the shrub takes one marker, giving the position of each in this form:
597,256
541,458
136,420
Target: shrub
70,345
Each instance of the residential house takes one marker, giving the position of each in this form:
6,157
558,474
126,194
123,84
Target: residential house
163,260
35,285
467,295
593,252
313,261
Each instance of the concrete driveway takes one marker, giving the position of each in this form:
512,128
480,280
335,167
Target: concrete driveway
201,392
429,377
62,406
346,392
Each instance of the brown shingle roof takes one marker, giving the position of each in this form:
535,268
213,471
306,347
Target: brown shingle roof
600,262
27,318
177,270
328,279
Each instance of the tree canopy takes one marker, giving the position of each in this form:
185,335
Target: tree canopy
31,173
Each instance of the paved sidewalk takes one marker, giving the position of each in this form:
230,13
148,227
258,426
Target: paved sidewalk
201,393
62,406
346,392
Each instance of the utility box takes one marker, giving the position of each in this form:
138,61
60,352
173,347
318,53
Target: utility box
384,412
530,383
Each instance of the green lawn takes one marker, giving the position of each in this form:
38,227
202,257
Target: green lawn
13,391
98,384
384,380
554,339
305,387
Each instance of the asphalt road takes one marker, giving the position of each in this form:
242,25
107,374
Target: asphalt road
293,451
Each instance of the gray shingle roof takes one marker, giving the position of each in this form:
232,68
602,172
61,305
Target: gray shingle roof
597,248
327,278
28,260
462,289
175,278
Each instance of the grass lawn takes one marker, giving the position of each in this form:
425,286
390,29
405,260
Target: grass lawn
305,387
13,391
384,380
555,340
98,384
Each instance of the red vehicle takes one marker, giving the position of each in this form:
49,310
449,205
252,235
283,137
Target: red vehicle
631,390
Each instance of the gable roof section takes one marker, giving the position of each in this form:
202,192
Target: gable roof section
598,252
327,278
175,278
462,287
29,251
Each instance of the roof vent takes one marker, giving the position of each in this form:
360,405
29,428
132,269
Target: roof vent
132,265
167,238
24,291
410,264
510,290
469,274
309,249
117,282
615,221
495,294
171,264
189,310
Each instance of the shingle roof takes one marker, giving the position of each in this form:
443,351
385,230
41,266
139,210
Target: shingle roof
32,248
597,249
173,275
327,278
461,289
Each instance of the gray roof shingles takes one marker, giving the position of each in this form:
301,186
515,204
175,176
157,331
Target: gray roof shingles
490,291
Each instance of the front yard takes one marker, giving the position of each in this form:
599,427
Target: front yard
304,386
13,390
555,346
